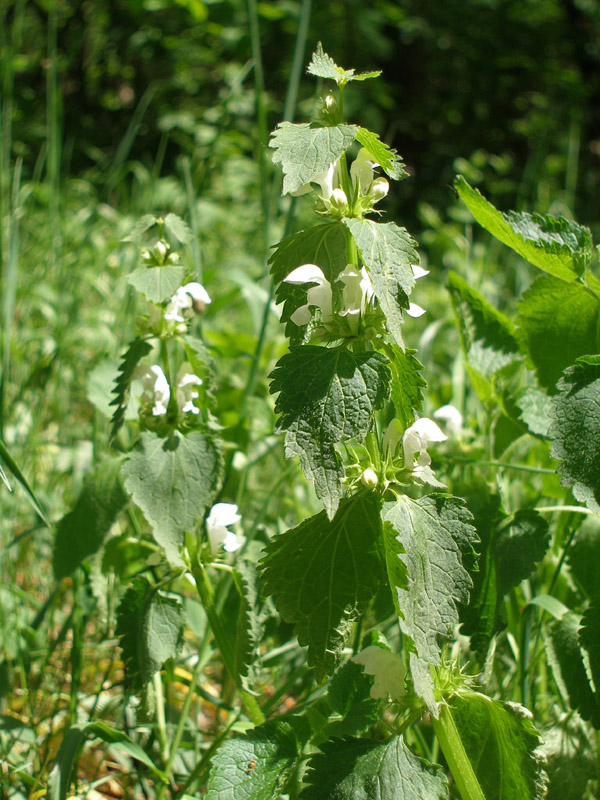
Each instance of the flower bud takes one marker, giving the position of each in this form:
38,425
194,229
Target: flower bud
331,104
379,188
159,251
369,479
173,258
146,256
338,200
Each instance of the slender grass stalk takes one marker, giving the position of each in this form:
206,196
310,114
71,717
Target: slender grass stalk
196,250
128,139
53,132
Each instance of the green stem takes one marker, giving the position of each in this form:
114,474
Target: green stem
462,771
161,721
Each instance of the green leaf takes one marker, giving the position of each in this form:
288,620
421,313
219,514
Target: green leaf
157,284
362,769
571,761
323,66
535,407
137,350
305,152
150,625
502,746
584,556
249,624
323,573
388,159
326,396
349,696
556,246
174,480
558,322
487,336
12,465
407,384
81,532
141,226
178,228
589,638
575,433
432,535
388,252
256,766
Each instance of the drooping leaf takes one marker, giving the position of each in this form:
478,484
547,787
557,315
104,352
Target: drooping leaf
150,625
157,284
362,769
306,151
557,246
137,350
535,407
323,573
388,252
326,396
387,158
407,384
174,480
502,745
349,696
82,530
589,638
256,766
487,336
575,432
179,228
323,66
558,322
584,556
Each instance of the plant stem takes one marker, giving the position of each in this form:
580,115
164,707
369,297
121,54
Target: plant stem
462,771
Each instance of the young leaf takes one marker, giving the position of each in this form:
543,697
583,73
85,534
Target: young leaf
174,480
388,159
326,396
557,246
558,322
179,228
502,746
305,152
407,384
157,284
357,769
575,432
138,349
323,573
487,336
348,695
256,766
323,66
80,533
150,625
388,252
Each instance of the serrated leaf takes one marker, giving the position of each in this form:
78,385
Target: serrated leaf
137,350
157,284
535,407
174,480
584,556
558,322
249,625
589,638
348,694
82,530
571,760
487,336
323,573
323,66
575,432
502,745
388,252
407,384
255,766
179,228
140,228
387,158
362,769
306,151
556,246
326,396
150,625
432,535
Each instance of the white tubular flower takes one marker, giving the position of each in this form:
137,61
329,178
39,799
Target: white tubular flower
357,292
417,438
361,171
221,515
387,668
418,272
413,309
186,297
156,388
186,380
327,180
338,200
379,189
319,295
452,417
391,436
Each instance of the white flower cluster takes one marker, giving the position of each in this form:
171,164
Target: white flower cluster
220,517
417,438
157,392
191,296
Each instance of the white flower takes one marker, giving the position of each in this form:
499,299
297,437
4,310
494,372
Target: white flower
361,171
357,292
392,435
319,295
327,180
221,515
369,478
379,189
185,297
452,417
388,669
156,388
186,380
416,440
413,309
418,272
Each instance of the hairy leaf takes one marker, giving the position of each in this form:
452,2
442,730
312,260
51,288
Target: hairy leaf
306,151
407,384
388,252
571,761
255,766
557,246
575,433
326,396
323,573
535,407
157,284
388,159
137,350
362,769
80,533
179,228
584,556
589,638
558,322
349,696
249,625
323,66
174,480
